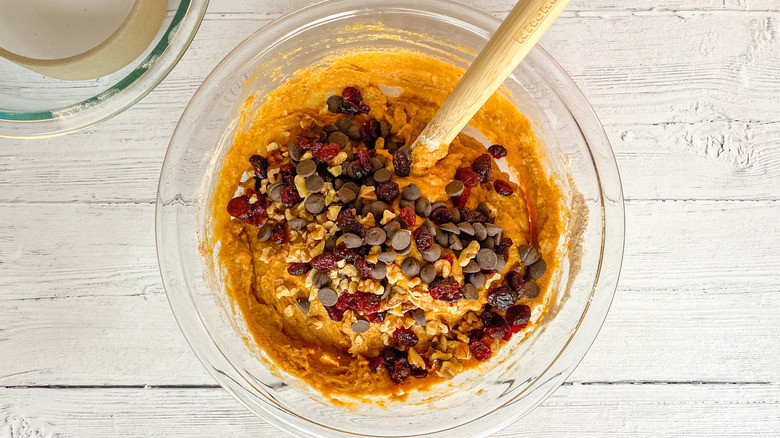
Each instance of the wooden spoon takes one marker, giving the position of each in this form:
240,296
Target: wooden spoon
519,32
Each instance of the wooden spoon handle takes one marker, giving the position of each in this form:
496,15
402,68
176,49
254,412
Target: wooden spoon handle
521,30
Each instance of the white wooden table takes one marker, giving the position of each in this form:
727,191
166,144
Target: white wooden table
689,92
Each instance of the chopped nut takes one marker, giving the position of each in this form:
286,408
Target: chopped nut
333,212
440,355
335,170
273,146
387,216
461,351
368,193
339,158
288,311
442,267
469,253
415,360
253,199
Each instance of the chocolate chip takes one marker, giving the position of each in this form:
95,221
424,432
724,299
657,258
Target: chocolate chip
338,184
437,205
303,304
528,255
484,209
423,207
391,228
383,175
352,240
450,228
429,225
346,194
428,273
455,243
297,224
379,271
376,236
480,233
386,293
487,259
406,251
330,129
477,279
489,243
419,316
432,254
377,208
402,239
343,124
315,203
411,192
334,103
328,297
331,243
470,292
320,279
296,152
314,184
339,138
466,228
492,230
350,169
536,271
403,203
384,128
361,326
410,267
530,290
306,168
265,232
377,163
354,132
442,238
471,267
500,264
275,192
455,188
386,257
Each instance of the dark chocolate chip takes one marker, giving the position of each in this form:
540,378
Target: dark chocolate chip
484,209
455,243
423,207
470,292
297,224
528,255
442,238
339,138
432,254
487,259
500,264
377,208
530,290
377,163
315,203
328,297
455,214
383,175
455,188
346,194
334,103
419,316
331,243
428,273
489,243
410,267
536,271
477,279
466,228
386,293
265,232
411,192
303,304
343,124
320,279
361,326
480,233
401,240
386,257
354,132
296,152
403,203
314,184
384,128
379,271
493,230
352,240
391,228
429,225
306,168
376,236
450,228
338,184
330,129
472,267
275,191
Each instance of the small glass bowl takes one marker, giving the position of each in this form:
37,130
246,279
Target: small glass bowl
477,402
33,105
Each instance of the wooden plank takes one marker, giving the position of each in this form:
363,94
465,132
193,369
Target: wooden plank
698,126
82,301
573,411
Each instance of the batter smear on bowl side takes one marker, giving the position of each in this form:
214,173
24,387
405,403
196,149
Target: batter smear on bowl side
353,273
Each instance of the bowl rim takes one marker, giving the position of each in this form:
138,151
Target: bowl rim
126,92
612,251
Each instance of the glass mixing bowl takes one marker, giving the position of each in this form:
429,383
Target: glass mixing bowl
33,105
478,402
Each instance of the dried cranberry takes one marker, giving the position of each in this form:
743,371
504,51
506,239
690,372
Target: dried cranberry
375,364
347,223
480,350
325,261
342,252
482,165
359,302
260,165
369,132
501,298
502,332
399,371
495,325
377,317
423,238
408,216
253,214
387,191
419,373
441,215
463,199
324,173
353,102
326,152
288,174
518,315
515,281
290,197
392,355
348,301
402,162
405,337
334,313
467,176
363,268
298,268
504,246
497,151
279,234
503,188
445,289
